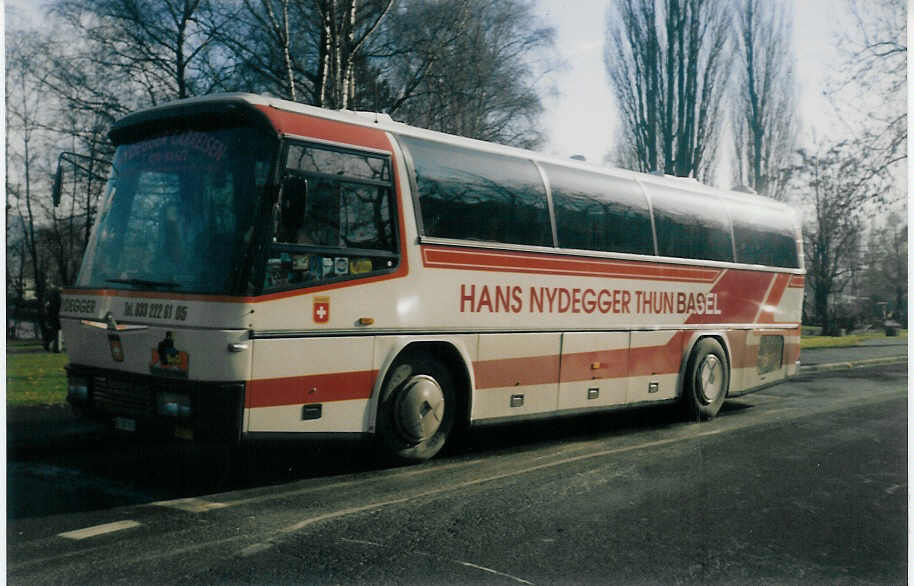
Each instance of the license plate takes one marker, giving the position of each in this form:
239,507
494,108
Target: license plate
124,424
184,433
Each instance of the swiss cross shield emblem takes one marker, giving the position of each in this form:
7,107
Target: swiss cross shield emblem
321,310
117,350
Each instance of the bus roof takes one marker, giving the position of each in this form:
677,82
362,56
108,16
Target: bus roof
235,102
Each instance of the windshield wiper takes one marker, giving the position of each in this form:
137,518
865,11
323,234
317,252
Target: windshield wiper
145,283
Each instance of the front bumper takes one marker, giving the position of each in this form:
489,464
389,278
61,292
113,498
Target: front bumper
202,411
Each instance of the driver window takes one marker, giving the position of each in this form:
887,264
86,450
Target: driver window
335,218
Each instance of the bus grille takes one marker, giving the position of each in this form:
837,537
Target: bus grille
122,396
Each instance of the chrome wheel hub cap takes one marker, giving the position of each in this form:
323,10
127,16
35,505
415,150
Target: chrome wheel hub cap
419,408
710,377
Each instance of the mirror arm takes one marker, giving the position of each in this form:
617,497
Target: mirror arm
70,157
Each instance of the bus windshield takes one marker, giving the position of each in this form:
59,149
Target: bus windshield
179,212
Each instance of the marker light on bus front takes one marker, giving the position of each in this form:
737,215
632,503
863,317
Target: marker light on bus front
173,405
78,389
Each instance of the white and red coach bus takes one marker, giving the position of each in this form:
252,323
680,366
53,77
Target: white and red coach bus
261,269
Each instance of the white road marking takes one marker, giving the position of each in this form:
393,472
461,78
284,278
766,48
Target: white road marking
362,542
491,571
255,549
431,555
99,530
396,473
191,505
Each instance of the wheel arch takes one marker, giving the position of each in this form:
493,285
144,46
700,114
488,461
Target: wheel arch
452,354
720,337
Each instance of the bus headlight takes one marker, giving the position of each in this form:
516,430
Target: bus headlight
173,405
78,389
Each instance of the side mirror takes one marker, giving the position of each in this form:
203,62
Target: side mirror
67,157
58,180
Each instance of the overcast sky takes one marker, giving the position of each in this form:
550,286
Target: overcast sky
581,119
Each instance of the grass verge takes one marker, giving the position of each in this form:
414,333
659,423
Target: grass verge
845,341
35,378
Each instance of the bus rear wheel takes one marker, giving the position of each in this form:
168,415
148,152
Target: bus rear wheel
707,380
416,411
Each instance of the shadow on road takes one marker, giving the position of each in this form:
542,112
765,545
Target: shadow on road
106,470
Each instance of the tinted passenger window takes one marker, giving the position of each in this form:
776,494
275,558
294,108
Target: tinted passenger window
690,225
598,212
764,237
468,195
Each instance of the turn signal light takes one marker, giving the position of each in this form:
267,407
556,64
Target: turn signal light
78,389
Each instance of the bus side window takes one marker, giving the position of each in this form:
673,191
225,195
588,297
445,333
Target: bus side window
470,195
690,225
761,237
599,212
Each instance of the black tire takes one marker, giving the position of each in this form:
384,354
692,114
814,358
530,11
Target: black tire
707,380
416,410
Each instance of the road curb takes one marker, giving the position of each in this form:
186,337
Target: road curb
853,364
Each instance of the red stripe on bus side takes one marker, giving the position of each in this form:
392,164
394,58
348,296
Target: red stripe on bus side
510,372
792,350
597,364
499,373
331,130
738,346
316,388
552,369
664,359
739,296
517,262
774,298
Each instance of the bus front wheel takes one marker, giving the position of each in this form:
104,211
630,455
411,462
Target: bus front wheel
707,380
416,411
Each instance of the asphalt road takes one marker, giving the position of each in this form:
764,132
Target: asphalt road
801,483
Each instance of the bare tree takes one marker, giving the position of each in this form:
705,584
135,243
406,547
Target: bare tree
277,23
346,27
272,45
871,84
667,65
764,111
469,67
24,99
837,188
887,264
303,50
162,49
